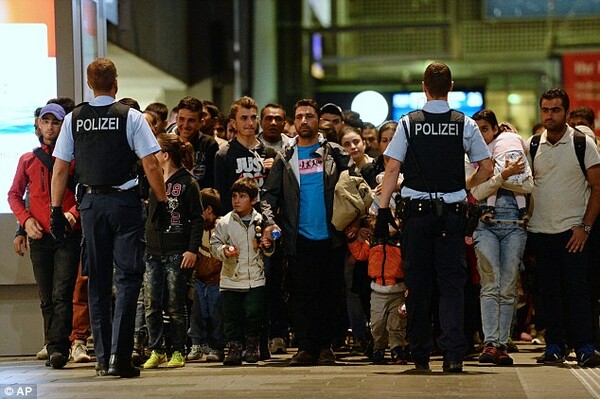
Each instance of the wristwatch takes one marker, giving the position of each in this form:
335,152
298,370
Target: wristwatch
586,227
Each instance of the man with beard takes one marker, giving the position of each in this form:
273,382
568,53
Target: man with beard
566,203
300,190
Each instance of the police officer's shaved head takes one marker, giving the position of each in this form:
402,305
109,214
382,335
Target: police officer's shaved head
101,75
437,79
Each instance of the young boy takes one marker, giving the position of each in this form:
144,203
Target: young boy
206,320
238,241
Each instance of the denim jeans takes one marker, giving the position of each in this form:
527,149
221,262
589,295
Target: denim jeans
55,270
499,248
165,288
206,320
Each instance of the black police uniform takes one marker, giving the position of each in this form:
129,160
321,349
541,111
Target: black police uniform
433,249
113,225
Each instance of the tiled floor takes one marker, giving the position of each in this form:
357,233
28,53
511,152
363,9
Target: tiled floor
353,377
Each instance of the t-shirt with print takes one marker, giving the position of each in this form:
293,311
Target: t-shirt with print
312,223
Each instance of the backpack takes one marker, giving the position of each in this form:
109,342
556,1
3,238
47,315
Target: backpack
578,143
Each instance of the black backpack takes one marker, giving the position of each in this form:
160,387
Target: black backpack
578,143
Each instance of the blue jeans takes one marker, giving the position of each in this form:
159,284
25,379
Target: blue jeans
55,270
206,321
165,288
499,248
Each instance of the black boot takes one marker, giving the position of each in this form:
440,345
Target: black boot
121,366
252,355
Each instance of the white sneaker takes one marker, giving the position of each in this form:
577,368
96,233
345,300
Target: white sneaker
42,354
195,353
277,345
79,352
215,355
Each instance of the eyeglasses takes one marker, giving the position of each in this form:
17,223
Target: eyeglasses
53,122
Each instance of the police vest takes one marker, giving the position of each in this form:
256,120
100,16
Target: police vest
434,160
102,154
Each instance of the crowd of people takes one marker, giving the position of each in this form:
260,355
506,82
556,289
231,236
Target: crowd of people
233,238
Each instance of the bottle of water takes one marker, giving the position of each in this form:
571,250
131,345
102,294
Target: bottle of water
275,234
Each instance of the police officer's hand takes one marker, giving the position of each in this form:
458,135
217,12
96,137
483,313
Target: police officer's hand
384,220
161,218
59,225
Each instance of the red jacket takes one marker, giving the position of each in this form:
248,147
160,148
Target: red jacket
34,176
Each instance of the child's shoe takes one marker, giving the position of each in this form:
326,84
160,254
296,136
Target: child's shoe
177,360
251,355
379,356
399,355
155,360
487,213
234,354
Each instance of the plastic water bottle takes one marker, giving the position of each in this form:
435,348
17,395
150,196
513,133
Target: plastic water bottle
275,234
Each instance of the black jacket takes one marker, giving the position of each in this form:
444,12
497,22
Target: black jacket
281,197
185,232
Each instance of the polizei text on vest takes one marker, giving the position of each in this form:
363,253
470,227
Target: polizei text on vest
95,124
437,129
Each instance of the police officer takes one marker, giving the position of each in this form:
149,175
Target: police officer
106,138
430,144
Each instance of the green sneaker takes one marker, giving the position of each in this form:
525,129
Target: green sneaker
155,359
177,360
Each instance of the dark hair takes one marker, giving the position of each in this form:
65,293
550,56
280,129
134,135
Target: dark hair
353,119
66,102
536,127
159,109
102,74
211,108
307,102
557,93
181,153
585,113
385,126
131,103
37,111
191,104
246,185
272,105
242,102
486,115
437,79
211,197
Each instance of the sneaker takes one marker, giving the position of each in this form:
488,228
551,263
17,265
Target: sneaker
42,354
195,353
511,346
277,345
79,352
379,356
554,353
234,354
326,357
58,360
215,355
302,358
587,356
155,360
177,360
251,354
489,355
503,358
399,355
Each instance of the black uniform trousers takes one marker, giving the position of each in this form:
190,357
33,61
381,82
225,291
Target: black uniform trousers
113,229
429,258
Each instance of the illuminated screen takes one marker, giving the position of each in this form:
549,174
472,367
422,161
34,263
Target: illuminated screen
27,79
467,102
